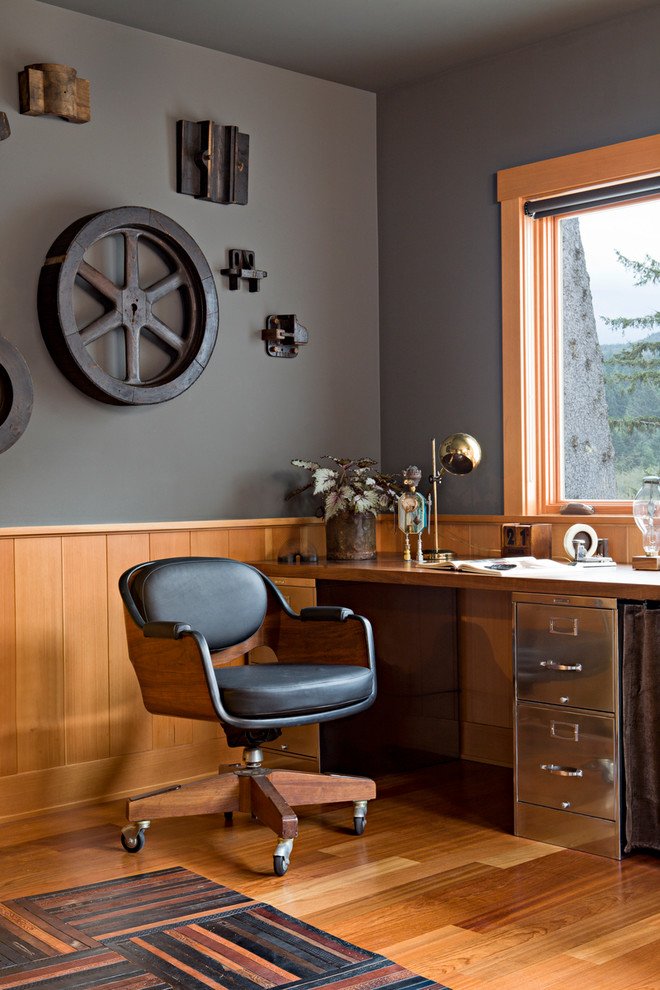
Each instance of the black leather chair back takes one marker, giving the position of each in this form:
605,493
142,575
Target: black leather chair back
225,600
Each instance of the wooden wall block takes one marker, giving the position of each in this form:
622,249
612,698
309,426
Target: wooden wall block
49,88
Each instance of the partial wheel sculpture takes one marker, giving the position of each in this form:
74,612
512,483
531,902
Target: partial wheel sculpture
15,394
104,291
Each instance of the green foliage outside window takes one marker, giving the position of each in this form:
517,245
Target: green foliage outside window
632,388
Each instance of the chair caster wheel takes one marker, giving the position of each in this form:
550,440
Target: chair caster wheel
132,838
280,865
359,817
282,857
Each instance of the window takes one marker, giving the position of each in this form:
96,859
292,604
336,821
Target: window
581,365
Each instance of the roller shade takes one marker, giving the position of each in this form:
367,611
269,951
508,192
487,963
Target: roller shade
591,199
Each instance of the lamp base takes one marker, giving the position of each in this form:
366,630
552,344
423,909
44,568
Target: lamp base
439,556
644,563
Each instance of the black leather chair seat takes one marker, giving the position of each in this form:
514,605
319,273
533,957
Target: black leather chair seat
267,690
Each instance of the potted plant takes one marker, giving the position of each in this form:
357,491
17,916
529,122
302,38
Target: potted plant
353,494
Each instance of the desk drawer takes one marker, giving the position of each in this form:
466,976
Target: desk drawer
566,656
567,760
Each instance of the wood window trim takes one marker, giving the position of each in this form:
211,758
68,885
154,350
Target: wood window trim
530,362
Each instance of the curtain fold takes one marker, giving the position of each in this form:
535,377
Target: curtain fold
641,726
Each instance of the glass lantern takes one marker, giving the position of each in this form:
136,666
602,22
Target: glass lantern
646,512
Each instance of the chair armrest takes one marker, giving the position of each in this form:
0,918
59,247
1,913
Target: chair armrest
165,630
325,613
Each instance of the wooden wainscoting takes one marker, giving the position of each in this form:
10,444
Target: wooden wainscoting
72,724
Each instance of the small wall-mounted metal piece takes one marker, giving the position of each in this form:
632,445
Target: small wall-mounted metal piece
241,266
47,87
212,161
5,129
284,336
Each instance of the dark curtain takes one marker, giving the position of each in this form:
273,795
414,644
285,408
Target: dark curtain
641,726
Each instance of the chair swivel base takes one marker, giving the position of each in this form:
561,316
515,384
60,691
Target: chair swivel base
267,795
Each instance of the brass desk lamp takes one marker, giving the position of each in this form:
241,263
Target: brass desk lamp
458,454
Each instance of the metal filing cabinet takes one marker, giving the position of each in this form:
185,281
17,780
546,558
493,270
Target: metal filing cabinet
567,722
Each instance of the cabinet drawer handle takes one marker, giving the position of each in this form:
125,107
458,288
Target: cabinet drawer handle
563,626
560,771
553,665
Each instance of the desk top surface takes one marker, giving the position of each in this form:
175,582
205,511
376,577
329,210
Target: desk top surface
610,582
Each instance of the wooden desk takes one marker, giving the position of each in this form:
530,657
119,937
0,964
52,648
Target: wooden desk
436,631
610,582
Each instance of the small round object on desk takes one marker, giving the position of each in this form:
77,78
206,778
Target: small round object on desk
580,531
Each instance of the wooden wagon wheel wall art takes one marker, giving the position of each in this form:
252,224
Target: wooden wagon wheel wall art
15,394
128,307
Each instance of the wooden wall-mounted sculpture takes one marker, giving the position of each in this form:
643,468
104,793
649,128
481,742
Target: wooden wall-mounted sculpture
15,395
5,129
49,88
131,325
212,161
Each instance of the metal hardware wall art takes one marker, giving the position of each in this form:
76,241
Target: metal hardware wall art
212,161
50,88
15,394
5,129
284,336
241,266
128,306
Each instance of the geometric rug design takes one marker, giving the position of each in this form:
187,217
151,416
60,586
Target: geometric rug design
176,930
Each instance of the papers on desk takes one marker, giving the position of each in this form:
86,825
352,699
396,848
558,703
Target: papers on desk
514,566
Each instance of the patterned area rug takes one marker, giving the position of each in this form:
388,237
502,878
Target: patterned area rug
175,929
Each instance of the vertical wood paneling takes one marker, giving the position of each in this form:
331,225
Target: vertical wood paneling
247,544
209,543
129,722
278,538
8,758
39,653
485,540
85,608
389,538
314,537
170,731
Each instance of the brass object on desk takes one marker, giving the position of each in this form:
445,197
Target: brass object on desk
459,453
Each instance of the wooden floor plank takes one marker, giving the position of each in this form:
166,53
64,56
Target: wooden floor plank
438,882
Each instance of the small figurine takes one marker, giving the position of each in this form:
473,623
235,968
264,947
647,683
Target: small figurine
412,512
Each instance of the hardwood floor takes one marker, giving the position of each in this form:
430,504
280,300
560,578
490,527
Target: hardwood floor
437,882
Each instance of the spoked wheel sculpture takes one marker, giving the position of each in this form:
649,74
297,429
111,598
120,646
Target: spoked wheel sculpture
128,306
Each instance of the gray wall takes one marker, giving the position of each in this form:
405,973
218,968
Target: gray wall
222,449
440,145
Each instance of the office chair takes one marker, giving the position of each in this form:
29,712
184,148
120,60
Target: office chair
190,621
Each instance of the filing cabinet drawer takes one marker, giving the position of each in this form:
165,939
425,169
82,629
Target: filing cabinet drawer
567,760
566,656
